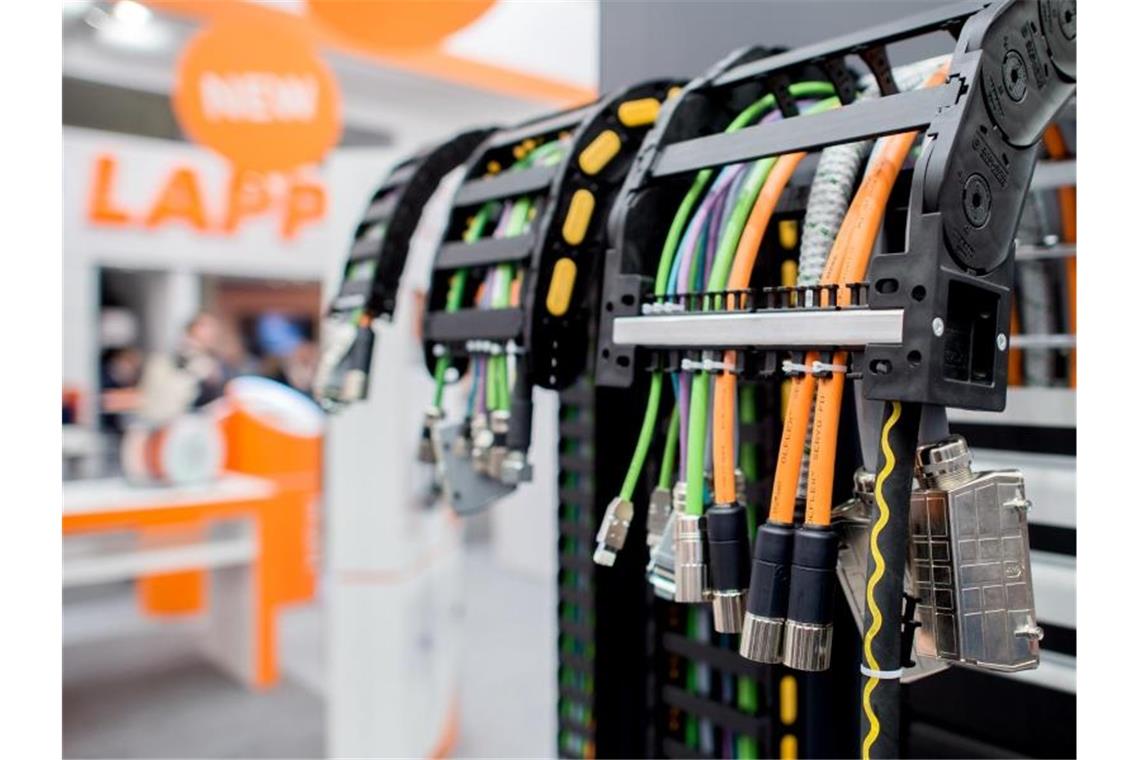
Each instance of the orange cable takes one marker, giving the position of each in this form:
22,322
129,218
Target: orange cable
743,262
1054,143
851,253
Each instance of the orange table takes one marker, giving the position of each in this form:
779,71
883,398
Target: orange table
280,569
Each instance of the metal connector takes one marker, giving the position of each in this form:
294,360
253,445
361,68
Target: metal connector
612,533
969,562
741,488
499,425
660,507
689,549
429,436
481,441
516,469
762,639
662,562
807,646
728,611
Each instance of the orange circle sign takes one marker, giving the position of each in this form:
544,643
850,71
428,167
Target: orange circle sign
383,25
257,94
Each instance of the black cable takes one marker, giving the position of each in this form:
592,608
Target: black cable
882,619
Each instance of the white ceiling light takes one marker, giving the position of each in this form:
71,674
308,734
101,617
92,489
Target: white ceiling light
131,13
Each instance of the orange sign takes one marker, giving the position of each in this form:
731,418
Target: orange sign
258,94
179,201
383,25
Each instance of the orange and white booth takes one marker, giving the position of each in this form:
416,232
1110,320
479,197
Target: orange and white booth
237,547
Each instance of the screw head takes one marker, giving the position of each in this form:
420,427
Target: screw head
938,326
1015,76
1002,342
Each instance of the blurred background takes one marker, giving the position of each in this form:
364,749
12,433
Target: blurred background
244,576
200,612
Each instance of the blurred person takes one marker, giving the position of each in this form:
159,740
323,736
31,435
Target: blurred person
300,366
200,354
120,372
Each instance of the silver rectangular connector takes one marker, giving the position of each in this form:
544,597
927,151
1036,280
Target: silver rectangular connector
613,531
660,507
969,563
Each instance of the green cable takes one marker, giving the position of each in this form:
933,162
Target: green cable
673,239
669,458
643,439
455,295
698,430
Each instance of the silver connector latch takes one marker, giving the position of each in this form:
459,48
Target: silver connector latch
689,551
660,507
612,533
969,562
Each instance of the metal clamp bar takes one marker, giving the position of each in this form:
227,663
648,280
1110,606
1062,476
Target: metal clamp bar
893,31
1043,341
504,185
842,328
883,116
1042,252
1050,175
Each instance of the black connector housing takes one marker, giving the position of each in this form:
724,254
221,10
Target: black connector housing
771,563
726,528
811,591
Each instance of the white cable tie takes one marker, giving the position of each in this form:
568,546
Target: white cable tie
818,367
794,368
688,365
882,675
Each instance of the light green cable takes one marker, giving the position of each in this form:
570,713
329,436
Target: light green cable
669,457
643,439
698,428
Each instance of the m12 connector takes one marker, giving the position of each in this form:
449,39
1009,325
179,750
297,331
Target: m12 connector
762,636
811,596
428,435
727,529
613,531
689,552
481,441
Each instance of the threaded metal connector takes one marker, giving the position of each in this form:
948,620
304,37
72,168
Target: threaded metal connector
807,646
728,611
689,550
762,639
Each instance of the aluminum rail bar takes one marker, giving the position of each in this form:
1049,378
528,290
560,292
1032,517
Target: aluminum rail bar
845,328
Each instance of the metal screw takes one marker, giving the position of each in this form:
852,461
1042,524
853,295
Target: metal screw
938,326
1015,76
1001,341
977,200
